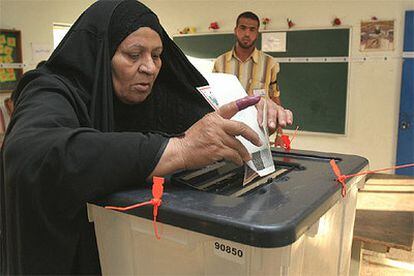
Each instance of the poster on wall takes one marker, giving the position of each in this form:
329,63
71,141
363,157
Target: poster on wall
10,53
274,42
40,52
377,35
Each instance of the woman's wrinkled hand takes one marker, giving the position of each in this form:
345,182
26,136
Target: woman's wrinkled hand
276,115
213,138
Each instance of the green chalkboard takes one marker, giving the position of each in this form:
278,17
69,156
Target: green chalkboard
315,91
205,46
316,43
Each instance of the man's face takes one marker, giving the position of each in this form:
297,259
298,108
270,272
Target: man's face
246,31
136,64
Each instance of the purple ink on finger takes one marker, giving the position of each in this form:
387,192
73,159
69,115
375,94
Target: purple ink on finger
247,101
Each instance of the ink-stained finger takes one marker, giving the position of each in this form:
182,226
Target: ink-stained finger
227,111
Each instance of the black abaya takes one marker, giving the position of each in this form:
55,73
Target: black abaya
68,143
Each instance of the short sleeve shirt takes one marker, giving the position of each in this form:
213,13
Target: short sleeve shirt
258,72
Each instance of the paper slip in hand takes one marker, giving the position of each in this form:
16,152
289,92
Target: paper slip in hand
209,96
225,88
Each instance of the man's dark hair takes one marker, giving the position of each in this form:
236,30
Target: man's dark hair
250,15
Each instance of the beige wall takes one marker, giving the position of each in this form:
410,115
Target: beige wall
374,88
35,19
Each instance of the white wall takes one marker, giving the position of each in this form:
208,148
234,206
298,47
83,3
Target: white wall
35,18
374,86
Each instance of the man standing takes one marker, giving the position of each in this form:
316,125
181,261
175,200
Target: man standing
256,71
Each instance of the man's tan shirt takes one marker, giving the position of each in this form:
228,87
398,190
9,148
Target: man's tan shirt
257,72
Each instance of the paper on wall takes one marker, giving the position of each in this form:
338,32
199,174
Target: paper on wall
225,88
40,52
274,42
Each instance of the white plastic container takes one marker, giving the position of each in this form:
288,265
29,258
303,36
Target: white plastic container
127,246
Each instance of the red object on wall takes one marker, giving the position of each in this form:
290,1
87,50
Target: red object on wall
336,22
214,26
290,23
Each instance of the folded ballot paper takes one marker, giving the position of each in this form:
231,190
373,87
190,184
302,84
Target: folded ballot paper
225,88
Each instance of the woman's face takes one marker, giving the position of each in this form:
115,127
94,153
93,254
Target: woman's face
136,64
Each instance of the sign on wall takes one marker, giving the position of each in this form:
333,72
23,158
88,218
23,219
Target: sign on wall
10,59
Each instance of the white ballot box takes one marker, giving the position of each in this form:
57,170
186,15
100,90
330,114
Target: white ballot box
294,224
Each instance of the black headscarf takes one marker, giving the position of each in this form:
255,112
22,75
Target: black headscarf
55,156
83,61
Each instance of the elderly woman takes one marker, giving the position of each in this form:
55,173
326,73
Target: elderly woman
114,105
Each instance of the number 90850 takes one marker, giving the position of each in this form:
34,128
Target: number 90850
228,249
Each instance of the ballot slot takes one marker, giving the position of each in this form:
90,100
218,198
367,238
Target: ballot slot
225,178
209,175
300,156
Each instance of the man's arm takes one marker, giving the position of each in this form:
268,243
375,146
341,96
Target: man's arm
274,92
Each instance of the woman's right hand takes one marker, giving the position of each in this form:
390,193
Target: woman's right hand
211,139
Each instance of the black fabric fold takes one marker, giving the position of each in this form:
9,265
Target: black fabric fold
70,141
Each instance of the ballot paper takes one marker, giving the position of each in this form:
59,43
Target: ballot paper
225,88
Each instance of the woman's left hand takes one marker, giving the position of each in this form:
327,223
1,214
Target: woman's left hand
276,115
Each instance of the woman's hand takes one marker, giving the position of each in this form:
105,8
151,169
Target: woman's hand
276,115
211,139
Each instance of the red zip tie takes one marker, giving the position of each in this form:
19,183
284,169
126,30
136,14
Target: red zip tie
380,170
294,134
287,142
128,207
341,178
157,191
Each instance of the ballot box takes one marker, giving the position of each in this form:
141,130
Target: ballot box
295,222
